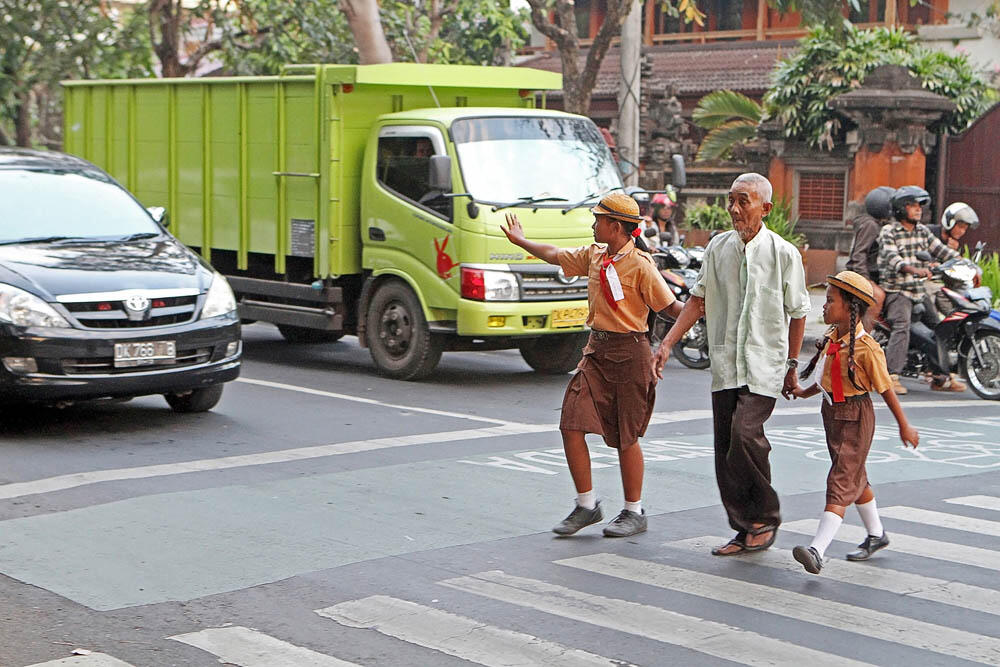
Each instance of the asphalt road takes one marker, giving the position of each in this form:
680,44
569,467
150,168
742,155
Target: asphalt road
322,515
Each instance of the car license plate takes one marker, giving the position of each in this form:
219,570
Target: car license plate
569,317
144,354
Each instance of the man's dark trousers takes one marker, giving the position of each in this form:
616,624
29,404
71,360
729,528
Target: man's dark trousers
742,469
898,311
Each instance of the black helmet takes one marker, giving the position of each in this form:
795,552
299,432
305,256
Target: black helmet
907,195
959,212
878,202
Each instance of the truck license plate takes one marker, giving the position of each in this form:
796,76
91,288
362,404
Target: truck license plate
569,317
144,354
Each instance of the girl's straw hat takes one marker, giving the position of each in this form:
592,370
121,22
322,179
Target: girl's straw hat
619,206
853,283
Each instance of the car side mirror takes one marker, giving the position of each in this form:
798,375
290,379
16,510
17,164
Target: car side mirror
679,176
159,215
439,174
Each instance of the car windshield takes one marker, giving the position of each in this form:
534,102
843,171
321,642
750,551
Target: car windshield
504,159
53,204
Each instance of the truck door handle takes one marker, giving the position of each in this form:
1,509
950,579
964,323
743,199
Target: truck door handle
376,234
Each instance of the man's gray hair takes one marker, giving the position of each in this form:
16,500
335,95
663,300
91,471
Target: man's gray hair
761,184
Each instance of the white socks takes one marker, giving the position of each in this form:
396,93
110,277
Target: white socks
869,515
828,525
587,501
634,507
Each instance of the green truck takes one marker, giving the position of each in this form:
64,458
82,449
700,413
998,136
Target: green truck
367,200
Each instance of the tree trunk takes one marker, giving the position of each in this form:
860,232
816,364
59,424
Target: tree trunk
22,123
363,18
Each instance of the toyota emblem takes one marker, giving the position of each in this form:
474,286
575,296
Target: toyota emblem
137,303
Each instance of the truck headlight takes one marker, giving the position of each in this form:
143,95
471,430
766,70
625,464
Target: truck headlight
485,285
220,299
27,310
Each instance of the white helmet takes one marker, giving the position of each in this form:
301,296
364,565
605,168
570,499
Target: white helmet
959,212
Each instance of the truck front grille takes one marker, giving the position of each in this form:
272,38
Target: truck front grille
537,286
112,314
106,365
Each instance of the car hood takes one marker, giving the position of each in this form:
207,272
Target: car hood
53,269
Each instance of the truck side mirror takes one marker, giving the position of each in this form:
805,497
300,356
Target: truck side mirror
439,176
679,175
159,215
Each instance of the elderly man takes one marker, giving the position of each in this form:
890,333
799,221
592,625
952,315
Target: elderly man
752,293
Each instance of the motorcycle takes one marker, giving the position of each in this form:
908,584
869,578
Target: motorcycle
966,340
674,264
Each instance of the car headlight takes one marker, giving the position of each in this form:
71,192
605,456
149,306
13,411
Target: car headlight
486,285
27,310
220,299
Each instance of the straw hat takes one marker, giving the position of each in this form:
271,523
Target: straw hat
853,283
619,206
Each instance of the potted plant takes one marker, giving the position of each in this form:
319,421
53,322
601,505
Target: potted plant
702,220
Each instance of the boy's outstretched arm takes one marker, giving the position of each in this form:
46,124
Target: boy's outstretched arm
907,433
515,234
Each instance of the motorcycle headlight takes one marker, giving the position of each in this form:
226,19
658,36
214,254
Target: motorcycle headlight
220,299
27,310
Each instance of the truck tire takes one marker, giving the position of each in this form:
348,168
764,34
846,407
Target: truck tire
306,335
555,354
197,400
399,339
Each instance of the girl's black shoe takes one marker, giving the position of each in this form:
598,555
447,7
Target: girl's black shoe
809,558
869,546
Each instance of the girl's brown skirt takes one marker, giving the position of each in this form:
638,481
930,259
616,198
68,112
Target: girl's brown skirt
850,427
613,391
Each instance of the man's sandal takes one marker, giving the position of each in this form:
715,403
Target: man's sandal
761,531
737,541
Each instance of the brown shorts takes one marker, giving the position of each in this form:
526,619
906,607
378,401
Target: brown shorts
613,391
850,427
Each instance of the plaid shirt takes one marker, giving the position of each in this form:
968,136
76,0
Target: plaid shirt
898,248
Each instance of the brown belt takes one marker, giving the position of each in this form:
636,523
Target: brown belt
855,397
608,335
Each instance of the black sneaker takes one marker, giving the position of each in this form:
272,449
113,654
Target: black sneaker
627,523
869,546
809,557
579,518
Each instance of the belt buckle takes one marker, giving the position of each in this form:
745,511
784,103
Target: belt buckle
600,335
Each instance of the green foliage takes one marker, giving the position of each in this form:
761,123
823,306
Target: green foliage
782,222
990,264
707,216
823,67
730,118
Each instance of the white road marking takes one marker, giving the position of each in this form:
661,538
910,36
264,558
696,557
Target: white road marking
942,520
90,660
456,635
708,637
826,613
73,480
907,544
982,502
986,600
248,648
370,401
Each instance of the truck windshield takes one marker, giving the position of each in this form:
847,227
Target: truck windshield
504,159
36,204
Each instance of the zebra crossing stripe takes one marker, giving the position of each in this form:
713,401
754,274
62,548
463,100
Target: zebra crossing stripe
942,520
456,635
828,613
708,637
907,544
953,593
982,502
90,660
248,648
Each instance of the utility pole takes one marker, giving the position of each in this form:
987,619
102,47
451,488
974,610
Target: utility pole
628,94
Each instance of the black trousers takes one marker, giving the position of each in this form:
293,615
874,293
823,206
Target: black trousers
742,468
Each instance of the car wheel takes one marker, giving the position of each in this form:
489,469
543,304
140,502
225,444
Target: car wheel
196,400
554,354
399,339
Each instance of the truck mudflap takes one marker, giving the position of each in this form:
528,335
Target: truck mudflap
289,303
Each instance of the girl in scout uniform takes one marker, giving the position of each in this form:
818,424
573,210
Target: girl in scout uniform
612,392
854,365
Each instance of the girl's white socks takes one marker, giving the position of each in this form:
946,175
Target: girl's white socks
587,501
828,525
869,515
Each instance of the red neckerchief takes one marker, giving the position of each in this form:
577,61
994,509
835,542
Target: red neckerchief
836,376
605,263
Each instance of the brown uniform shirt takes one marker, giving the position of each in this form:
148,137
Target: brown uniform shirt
870,370
642,284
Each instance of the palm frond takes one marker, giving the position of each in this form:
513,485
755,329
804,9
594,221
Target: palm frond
723,105
719,142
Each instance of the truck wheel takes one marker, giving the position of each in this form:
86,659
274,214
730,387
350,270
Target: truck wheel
399,339
554,355
197,400
306,335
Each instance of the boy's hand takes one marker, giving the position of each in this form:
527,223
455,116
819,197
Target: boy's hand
799,392
909,436
660,358
513,230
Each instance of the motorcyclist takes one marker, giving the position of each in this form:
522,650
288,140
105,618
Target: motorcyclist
956,220
902,276
642,198
863,258
663,206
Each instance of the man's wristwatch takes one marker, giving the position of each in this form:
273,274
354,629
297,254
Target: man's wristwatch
791,364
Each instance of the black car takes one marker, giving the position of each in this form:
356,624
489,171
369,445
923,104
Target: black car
97,299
